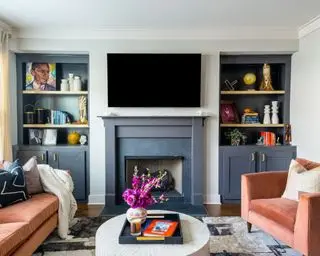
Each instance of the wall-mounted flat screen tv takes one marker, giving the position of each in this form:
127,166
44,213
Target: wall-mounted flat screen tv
154,80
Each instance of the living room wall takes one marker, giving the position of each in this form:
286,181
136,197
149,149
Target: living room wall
97,50
305,116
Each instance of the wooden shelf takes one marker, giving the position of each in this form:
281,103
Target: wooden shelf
55,126
251,125
55,92
252,92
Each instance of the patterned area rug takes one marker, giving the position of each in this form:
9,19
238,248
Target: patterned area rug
229,237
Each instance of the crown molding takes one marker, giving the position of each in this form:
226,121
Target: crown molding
159,34
5,26
309,27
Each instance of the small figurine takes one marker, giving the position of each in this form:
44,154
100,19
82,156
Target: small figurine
260,141
83,109
287,134
83,139
266,83
230,85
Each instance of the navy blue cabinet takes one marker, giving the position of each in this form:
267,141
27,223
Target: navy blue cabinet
235,161
275,159
75,162
72,158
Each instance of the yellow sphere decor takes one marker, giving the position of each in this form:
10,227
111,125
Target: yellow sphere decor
249,78
73,138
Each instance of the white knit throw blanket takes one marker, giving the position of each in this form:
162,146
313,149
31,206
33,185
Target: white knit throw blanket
60,183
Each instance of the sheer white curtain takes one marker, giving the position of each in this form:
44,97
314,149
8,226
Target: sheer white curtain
5,129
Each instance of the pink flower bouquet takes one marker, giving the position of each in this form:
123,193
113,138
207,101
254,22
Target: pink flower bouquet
139,196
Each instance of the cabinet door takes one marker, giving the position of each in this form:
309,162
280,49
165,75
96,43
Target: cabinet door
75,162
25,155
276,159
233,163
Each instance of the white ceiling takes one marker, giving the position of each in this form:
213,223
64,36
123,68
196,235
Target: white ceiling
164,14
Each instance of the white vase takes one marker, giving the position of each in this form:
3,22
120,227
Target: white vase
77,83
136,213
275,118
64,86
266,118
70,81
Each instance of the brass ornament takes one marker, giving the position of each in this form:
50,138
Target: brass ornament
266,83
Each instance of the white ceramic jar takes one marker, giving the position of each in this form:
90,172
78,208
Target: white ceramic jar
77,83
71,81
64,86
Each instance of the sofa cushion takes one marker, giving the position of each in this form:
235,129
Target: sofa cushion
32,176
35,211
12,235
13,187
280,210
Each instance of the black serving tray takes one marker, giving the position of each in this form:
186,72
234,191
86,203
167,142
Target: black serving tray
126,238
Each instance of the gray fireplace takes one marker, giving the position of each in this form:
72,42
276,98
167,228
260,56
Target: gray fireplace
172,143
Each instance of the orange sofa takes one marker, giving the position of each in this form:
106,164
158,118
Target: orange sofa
25,225
295,223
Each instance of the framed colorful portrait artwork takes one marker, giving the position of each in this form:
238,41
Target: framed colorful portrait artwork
228,113
40,76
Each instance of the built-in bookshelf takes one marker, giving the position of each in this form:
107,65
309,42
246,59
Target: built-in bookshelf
60,113
246,100
54,102
243,96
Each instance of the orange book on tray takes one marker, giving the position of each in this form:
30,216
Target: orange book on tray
160,228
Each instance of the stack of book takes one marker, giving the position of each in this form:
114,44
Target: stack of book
250,118
269,138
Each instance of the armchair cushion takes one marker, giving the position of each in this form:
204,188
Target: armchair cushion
279,210
301,180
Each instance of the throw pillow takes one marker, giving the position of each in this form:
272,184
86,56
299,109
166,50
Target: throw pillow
12,185
6,165
32,176
301,180
309,181
290,191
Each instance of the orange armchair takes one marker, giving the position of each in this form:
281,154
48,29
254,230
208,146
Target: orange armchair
295,223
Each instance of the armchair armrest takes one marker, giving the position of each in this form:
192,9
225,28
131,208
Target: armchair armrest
261,185
307,225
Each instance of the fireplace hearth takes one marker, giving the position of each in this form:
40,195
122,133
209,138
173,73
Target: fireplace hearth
157,143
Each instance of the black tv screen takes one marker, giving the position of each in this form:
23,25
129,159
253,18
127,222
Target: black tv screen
154,80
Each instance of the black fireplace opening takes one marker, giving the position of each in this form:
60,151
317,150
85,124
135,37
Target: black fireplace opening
172,166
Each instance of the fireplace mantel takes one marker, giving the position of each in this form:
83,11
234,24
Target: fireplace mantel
167,133
153,116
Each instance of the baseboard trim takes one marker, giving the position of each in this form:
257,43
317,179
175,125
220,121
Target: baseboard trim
97,199
212,199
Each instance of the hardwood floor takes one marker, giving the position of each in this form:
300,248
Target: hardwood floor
214,210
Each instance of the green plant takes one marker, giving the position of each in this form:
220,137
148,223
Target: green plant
235,136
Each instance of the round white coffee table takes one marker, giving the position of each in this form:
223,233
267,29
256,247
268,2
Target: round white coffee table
195,239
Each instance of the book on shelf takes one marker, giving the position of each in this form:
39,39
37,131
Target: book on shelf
159,227
269,138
